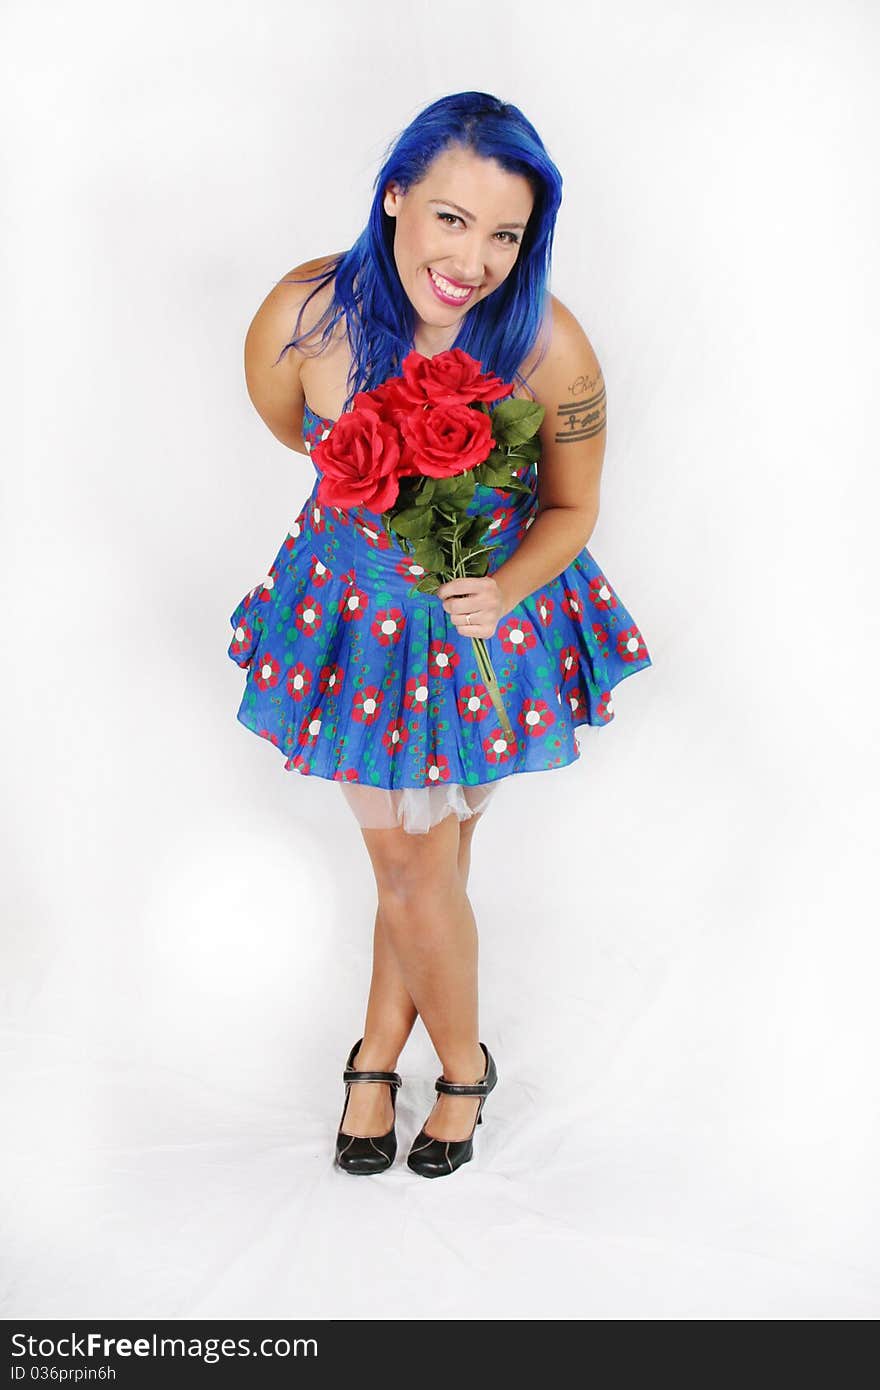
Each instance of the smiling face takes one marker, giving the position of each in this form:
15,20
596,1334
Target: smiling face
449,254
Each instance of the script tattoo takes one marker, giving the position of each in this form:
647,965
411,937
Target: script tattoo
583,416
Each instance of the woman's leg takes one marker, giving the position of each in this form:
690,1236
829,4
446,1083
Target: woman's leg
391,1011
391,1014
427,922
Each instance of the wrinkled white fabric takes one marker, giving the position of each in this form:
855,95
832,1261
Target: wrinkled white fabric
415,809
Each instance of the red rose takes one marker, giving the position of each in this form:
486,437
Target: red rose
445,440
448,378
360,462
371,400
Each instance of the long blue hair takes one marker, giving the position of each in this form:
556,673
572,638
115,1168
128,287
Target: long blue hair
380,320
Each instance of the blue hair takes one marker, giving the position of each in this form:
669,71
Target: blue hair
380,320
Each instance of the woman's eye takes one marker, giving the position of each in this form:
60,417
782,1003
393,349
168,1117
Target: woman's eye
513,239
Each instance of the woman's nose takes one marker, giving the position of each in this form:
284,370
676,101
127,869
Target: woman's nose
468,272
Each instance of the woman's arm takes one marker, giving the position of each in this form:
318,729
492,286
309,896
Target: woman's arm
275,390
570,385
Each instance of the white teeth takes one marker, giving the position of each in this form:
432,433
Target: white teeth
445,286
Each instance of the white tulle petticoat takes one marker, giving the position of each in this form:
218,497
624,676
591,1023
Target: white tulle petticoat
415,809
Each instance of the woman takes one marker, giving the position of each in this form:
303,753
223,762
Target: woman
456,253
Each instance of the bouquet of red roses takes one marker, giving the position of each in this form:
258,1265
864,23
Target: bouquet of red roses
413,451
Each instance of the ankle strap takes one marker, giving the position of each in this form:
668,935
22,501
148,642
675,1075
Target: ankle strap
456,1088
390,1077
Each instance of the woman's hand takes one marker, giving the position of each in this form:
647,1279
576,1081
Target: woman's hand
480,599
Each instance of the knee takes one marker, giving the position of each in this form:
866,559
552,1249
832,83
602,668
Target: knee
405,883
411,883
413,869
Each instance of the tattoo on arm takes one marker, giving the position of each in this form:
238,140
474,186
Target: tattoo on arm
584,415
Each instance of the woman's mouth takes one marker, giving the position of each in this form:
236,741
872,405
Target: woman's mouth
446,292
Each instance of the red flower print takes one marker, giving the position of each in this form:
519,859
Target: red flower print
266,672
545,608
310,727
298,764
536,717
388,626
308,615
474,703
295,531
630,646
437,769
569,664
408,569
442,658
571,604
523,528
500,518
601,594
395,736
299,681
330,679
317,518
353,604
366,704
517,635
606,706
242,639
273,738
577,704
377,537
349,775
319,572
496,747
416,693
268,586
600,632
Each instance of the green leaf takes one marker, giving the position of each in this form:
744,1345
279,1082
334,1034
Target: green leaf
476,530
497,459
414,523
424,493
455,492
429,585
497,476
514,421
529,451
429,554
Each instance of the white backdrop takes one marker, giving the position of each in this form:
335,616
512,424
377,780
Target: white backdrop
679,946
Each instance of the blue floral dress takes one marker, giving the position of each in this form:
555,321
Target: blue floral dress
356,677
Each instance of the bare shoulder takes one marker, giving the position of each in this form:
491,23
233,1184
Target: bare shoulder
273,381
569,381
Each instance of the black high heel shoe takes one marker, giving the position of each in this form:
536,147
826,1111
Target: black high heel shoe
434,1158
356,1153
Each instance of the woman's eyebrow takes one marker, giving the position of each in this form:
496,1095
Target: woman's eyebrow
470,216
